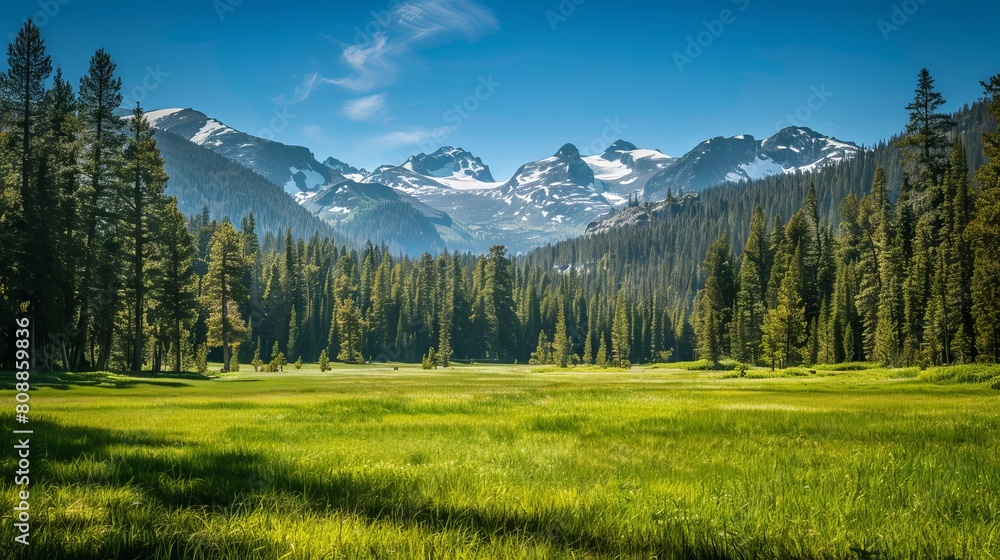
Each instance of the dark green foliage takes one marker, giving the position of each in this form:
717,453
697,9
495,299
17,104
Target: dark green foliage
890,256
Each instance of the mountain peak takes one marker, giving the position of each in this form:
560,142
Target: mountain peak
568,151
449,161
344,169
621,146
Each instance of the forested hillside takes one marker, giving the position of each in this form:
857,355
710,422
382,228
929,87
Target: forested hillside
888,257
199,178
667,252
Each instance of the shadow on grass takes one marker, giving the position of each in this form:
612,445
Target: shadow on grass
226,481
67,380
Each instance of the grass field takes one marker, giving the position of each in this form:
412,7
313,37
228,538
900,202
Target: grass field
512,462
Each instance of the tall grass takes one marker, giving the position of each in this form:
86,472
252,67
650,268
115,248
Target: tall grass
503,462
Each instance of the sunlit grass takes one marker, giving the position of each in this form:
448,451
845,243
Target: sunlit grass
513,462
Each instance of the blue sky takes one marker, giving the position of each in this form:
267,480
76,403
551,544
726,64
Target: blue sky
373,82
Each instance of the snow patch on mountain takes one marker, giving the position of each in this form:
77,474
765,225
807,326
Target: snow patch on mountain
211,128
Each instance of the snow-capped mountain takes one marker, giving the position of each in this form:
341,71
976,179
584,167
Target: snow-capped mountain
443,173
450,197
450,163
349,202
740,158
292,167
623,169
556,195
545,200
347,170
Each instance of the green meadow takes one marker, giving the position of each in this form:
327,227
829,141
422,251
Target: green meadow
512,462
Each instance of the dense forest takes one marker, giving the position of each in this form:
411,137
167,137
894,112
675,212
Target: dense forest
889,257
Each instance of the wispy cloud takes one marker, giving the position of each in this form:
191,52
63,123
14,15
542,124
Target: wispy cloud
373,60
411,137
365,108
314,132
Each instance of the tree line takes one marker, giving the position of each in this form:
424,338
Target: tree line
910,281
115,276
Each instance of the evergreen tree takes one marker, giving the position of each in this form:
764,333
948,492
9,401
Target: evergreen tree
602,354
350,328
293,335
561,341
223,290
256,362
543,351
99,98
620,347
984,237
752,296
278,361
446,311
27,258
173,289
926,140
956,278
715,306
142,172
785,325
872,225
499,309
890,314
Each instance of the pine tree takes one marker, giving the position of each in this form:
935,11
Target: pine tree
602,354
984,236
223,290
256,362
561,342
827,344
324,361
99,98
27,258
916,288
293,334
350,328
498,302
278,361
173,293
891,313
752,295
926,139
873,218
715,305
234,361
620,346
543,351
446,312
957,296
785,325
142,172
